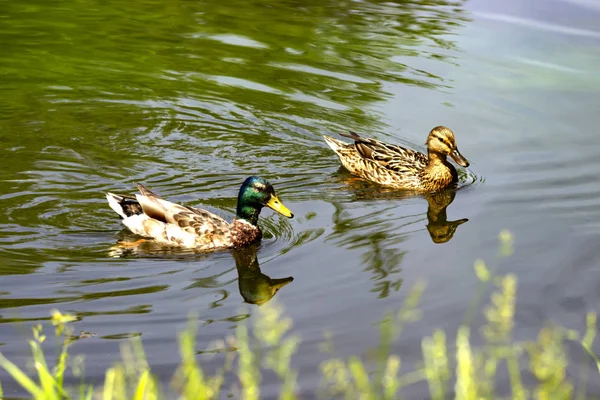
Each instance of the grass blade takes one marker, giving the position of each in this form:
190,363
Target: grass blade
21,378
140,391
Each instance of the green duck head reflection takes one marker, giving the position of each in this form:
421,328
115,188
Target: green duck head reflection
255,287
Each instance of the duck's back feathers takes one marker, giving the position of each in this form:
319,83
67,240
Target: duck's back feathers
183,216
148,215
152,205
389,156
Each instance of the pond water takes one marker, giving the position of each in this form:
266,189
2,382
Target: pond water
190,98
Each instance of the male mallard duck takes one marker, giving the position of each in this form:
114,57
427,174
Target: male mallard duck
402,168
168,223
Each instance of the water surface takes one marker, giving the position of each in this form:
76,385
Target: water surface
191,97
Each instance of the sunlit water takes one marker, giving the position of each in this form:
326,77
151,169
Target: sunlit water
192,97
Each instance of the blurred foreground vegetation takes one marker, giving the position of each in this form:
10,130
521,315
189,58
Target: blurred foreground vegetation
456,369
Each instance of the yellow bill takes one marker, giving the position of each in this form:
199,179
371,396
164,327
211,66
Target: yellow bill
275,204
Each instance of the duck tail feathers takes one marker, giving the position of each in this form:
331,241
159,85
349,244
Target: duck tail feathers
351,135
335,144
125,206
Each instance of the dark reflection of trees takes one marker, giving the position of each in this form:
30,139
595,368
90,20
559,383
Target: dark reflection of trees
255,287
380,241
380,237
337,53
316,59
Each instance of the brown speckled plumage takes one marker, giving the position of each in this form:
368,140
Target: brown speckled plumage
243,233
399,167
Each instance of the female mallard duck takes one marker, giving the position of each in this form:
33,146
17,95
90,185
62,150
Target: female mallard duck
402,168
168,223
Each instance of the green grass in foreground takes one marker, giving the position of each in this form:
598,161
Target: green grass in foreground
455,370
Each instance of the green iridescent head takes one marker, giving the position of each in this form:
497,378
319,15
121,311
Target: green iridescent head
256,193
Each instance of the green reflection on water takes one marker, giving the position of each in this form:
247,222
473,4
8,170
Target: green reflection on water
380,236
190,97
318,59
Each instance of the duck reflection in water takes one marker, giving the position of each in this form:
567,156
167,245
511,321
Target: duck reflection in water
440,229
255,287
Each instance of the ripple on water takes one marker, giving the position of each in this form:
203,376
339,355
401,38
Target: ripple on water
564,183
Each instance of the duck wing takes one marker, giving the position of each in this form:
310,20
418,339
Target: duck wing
389,156
190,220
